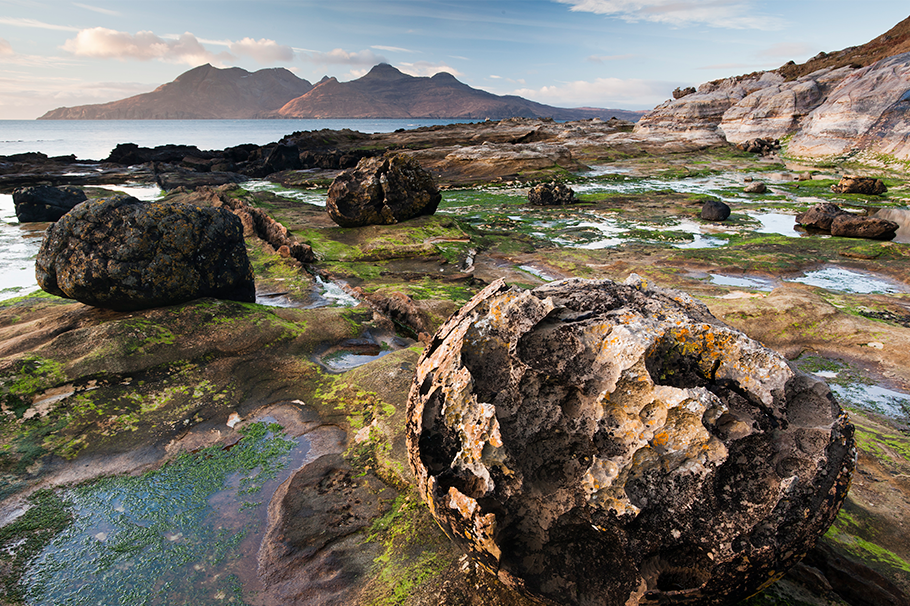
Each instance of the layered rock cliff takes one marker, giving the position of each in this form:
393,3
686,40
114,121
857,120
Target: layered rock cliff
855,103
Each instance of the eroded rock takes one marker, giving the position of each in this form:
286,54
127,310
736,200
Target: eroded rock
755,187
820,216
124,254
551,194
847,225
382,191
597,443
859,185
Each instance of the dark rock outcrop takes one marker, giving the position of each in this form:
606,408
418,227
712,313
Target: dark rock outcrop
382,191
606,444
551,194
847,225
859,185
124,254
45,203
819,216
715,210
759,145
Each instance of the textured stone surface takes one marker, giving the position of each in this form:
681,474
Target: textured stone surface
125,254
597,443
382,191
551,194
755,187
45,203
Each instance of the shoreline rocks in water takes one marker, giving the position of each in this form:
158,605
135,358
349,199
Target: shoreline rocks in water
124,254
598,443
44,203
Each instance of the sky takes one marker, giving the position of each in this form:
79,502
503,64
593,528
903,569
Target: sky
622,54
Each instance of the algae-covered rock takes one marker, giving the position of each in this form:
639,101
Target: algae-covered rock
551,194
382,191
124,254
598,443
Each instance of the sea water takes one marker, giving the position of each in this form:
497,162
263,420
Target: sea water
94,139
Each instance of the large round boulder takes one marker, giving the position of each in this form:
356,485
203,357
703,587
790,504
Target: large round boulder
124,254
605,444
382,191
45,203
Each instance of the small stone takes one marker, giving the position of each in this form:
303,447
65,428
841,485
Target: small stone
715,210
756,187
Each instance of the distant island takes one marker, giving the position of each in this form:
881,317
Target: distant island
207,92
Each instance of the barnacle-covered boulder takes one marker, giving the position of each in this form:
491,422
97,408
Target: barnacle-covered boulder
606,444
125,254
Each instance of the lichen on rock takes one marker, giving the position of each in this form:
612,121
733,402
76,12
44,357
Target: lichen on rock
597,443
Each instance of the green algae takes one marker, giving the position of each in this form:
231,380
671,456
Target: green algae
28,376
158,538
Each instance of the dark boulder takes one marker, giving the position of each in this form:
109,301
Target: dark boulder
820,216
45,203
124,254
614,445
715,210
551,194
847,225
859,185
131,154
382,191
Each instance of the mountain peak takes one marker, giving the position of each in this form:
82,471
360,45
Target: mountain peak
385,71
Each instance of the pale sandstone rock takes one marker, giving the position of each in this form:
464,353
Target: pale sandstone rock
606,444
866,111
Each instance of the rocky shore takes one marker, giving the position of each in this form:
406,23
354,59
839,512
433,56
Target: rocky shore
300,399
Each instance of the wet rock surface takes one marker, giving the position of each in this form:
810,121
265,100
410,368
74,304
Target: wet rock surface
382,191
832,218
124,254
45,203
597,443
551,194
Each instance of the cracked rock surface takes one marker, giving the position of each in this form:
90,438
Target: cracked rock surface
606,444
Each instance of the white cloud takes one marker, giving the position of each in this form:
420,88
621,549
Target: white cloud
103,11
425,68
5,48
264,51
103,43
605,58
22,97
34,23
603,92
728,14
342,57
393,49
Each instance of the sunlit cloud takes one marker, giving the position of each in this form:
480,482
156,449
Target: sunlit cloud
5,48
342,57
494,77
728,14
22,97
425,68
603,92
34,23
103,43
264,51
98,9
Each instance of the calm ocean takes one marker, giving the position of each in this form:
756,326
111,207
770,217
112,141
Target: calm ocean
94,139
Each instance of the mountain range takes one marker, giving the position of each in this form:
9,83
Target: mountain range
207,92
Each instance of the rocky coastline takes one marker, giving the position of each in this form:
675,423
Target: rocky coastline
318,369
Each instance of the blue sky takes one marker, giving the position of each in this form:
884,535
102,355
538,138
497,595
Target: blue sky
627,54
